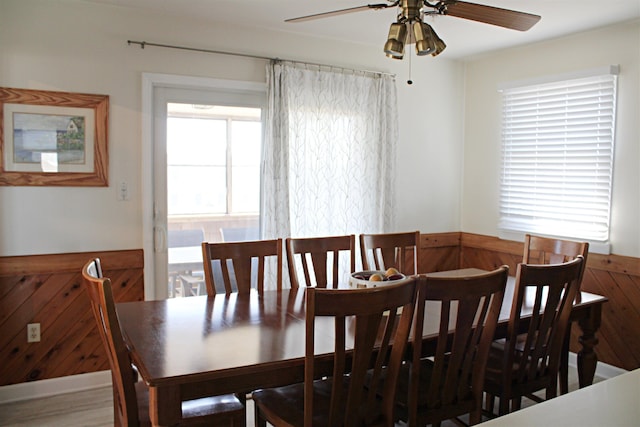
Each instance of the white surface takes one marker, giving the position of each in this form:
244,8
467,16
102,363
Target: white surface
35,54
463,37
365,283
185,255
482,138
613,402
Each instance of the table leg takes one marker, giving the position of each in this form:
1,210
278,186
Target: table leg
165,406
587,357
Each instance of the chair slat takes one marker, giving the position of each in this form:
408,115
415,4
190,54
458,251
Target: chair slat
313,254
530,362
451,384
237,261
383,251
371,332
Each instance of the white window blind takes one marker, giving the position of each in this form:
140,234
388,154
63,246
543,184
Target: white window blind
558,142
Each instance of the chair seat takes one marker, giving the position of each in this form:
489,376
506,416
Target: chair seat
286,403
222,409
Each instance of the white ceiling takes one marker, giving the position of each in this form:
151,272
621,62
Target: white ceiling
463,37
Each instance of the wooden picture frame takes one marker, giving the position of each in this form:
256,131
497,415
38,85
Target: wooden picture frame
52,138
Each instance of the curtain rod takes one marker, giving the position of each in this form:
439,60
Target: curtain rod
245,55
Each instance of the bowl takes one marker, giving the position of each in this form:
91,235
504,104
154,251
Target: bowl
361,279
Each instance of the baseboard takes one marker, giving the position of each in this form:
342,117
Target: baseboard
50,387
603,370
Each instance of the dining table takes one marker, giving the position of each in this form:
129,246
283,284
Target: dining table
187,348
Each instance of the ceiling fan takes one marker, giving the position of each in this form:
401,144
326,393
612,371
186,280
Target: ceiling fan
409,27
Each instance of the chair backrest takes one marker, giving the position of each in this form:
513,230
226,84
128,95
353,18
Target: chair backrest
473,304
236,263
372,316
318,256
104,311
239,234
382,251
546,293
546,250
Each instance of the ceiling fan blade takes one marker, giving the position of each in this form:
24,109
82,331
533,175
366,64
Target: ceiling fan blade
506,18
341,12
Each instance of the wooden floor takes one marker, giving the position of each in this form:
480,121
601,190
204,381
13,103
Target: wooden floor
94,408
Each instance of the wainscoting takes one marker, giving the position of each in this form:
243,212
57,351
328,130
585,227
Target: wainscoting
616,277
47,289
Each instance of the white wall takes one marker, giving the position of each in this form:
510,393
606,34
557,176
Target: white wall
429,178
619,44
67,45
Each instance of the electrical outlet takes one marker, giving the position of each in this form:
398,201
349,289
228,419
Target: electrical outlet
33,332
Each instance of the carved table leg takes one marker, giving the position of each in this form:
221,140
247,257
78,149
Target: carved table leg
587,358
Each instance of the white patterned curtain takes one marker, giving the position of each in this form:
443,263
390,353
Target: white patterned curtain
329,152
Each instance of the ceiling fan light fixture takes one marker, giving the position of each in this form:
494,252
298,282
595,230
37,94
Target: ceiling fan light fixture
440,45
394,47
425,38
412,12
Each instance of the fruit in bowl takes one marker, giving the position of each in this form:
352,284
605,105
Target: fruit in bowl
373,278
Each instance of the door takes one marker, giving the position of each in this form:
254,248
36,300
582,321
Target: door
207,145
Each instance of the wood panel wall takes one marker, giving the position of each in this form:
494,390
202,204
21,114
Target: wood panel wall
439,252
47,289
616,277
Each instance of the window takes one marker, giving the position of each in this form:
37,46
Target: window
557,159
213,159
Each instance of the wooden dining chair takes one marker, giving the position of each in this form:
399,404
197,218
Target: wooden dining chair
130,397
319,258
398,250
242,264
371,330
450,384
546,250
526,362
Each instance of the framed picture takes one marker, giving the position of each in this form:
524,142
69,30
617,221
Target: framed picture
53,138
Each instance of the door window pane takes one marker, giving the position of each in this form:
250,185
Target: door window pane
245,170
245,197
246,143
190,190
196,141
213,184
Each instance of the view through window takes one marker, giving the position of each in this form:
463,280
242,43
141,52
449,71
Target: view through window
213,185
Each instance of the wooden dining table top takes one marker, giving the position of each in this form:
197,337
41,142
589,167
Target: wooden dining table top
180,339
227,343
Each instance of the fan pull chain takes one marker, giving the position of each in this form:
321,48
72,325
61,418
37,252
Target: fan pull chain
410,82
